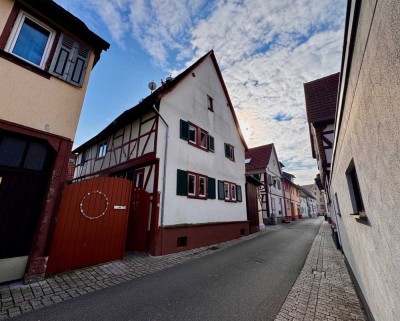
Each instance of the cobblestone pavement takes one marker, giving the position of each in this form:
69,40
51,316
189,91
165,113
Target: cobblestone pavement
323,290
17,298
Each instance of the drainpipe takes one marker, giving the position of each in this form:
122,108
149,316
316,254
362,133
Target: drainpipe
165,164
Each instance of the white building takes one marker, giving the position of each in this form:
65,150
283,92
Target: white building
319,197
262,162
365,179
183,145
308,203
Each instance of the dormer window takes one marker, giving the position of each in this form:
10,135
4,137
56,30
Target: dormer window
30,40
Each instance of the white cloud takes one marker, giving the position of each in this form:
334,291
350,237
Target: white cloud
266,50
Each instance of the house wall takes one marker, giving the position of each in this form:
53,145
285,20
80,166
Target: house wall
319,197
369,136
188,101
275,193
303,206
126,145
32,100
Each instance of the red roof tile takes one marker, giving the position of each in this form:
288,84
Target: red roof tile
259,157
321,96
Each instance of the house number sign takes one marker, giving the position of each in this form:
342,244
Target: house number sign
89,217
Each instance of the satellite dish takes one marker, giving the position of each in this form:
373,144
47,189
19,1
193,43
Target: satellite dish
152,85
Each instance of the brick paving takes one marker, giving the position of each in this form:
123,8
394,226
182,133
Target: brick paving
17,298
323,290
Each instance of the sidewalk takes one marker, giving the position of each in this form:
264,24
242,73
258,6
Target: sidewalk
17,298
323,290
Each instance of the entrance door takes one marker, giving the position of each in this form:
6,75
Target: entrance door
24,171
138,223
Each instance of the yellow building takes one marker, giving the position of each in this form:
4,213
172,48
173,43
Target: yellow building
46,55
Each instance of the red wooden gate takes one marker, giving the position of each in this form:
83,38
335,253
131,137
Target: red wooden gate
91,224
136,238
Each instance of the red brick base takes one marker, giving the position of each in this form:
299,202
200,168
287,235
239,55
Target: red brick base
177,238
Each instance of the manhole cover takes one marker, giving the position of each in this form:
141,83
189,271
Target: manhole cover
321,273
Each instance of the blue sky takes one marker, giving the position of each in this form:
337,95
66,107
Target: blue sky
266,51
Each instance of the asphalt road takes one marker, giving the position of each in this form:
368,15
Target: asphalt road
248,281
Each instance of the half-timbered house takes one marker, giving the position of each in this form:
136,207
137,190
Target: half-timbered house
321,97
262,162
183,145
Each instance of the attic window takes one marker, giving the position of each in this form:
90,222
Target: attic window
210,103
247,160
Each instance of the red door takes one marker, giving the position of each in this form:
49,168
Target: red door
91,224
138,224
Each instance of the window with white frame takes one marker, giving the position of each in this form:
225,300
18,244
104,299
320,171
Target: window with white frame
33,42
102,149
191,191
195,185
203,139
226,191
192,134
30,40
230,152
196,136
233,192
202,186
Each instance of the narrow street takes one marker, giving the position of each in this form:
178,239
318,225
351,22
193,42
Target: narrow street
248,281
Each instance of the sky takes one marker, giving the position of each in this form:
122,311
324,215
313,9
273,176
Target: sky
266,50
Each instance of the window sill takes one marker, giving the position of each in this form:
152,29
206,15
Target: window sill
197,197
22,63
361,217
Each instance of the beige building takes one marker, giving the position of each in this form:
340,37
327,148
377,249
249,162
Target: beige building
46,55
365,179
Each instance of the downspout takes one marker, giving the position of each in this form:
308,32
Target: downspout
165,164
164,174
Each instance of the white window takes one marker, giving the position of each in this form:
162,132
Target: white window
102,149
226,190
191,184
192,134
30,40
233,192
203,139
202,186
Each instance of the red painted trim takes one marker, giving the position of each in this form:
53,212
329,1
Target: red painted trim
197,187
44,233
148,176
140,161
52,139
199,235
9,25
